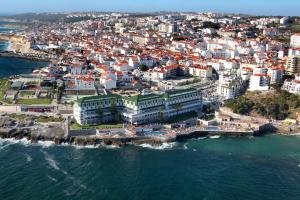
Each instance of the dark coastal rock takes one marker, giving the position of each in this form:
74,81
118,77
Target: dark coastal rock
107,142
80,141
58,140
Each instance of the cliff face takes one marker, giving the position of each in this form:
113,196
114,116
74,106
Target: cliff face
13,38
18,43
4,37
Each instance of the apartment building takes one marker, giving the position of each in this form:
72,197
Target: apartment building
293,65
295,41
292,86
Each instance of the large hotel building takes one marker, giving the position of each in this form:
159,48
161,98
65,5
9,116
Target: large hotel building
138,109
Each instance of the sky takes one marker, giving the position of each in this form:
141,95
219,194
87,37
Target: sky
257,7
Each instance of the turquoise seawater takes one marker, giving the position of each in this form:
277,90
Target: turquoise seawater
261,168
15,66
4,45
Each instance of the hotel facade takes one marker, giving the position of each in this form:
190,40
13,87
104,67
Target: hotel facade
139,109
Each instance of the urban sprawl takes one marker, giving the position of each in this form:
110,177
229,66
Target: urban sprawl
150,70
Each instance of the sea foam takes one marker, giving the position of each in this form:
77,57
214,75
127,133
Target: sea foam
28,158
46,144
163,146
214,137
50,160
22,141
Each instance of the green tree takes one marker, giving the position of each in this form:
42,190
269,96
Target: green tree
100,115
117,117
143,68
213,25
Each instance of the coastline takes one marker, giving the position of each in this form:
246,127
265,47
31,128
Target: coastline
95,142
62,133
18,44
19,47
25,57
64,138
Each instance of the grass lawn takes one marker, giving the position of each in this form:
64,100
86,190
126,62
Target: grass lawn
40,119
44,119
4,86
2,93
27,93
34,101
8,100
76,126
21,117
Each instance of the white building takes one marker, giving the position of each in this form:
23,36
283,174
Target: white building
167,28
292,86
295,41
275,73
84,83
293,65
259,82
230,84
140,109
284,20
108,80
201,71
77,69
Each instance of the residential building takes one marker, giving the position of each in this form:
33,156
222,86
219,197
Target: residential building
230,84
292,86
275,73
293,65
259,82
201,71
295,41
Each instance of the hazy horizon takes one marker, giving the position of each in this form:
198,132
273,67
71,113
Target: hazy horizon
254,7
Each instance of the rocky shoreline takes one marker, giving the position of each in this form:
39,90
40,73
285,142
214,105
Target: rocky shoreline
35,137
25,57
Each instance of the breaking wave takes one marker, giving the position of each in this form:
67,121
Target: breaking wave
214,137
163,146
185,147
23,141
4,143
46,144
28,158
51,161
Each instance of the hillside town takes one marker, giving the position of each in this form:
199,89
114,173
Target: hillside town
157,69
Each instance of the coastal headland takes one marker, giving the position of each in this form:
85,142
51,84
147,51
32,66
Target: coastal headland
20,48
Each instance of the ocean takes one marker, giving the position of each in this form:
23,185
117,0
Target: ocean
14,66
265,168
4,45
